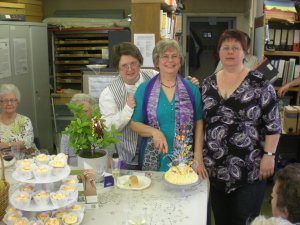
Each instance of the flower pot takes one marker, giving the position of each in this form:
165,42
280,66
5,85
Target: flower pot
98,164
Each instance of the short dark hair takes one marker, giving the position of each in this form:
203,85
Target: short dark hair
234,34
125,48
288,190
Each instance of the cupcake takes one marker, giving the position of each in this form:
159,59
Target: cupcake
70,190
25,172
10,218
13,210
24,162
61,157
58,198
59,214
36,222
58,166
42,159
42,216
29,188
21,221
42,172
52,221
77,208
71,219
71,180
41,198
22,199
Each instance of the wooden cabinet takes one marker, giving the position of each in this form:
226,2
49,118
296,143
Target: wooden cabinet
147,17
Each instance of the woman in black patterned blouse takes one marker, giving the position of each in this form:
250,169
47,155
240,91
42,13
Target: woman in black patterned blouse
242,128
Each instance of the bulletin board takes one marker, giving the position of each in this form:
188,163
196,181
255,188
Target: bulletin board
93,84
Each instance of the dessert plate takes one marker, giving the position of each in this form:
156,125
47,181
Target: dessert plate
123,182
64,174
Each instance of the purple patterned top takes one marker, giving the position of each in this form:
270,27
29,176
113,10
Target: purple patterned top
235,129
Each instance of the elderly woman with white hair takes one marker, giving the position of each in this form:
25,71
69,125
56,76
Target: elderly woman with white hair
15,129
88,104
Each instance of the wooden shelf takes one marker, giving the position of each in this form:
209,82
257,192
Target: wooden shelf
282,53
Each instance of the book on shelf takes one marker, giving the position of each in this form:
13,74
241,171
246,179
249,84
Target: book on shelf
268,70
296,43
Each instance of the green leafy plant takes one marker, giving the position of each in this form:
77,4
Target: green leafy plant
86,135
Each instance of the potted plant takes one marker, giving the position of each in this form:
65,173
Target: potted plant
87,135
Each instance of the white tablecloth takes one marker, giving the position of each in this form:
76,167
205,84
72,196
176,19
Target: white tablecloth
158,204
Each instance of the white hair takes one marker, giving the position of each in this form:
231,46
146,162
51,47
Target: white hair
6,89
261,220
81,98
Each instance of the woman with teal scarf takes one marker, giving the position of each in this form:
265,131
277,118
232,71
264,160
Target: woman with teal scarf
167,106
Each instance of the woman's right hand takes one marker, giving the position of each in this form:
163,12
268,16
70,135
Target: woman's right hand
281,92
160,141
131,101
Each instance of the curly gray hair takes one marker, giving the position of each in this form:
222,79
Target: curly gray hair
6,89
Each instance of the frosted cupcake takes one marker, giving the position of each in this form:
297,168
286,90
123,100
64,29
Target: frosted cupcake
59,214
41,198
77,208
42,216
71,180
52,221
22,199
61,157
25,172
29,188
36,222
70,190
71,219
10,218
58,198
24,162
42,172
12,210
21,221
58,166
42,159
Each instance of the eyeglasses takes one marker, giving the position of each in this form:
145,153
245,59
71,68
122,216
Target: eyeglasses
7,101
166,57
132,65
228,48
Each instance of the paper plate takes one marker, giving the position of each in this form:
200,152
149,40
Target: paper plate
123,182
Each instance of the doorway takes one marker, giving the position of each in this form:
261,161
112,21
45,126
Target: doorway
202,39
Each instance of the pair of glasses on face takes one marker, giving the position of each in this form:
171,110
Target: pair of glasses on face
7,101
166,57
232,48
132,65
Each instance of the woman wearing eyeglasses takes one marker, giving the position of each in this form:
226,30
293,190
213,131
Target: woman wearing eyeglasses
15,129
242,128
117,101
167,106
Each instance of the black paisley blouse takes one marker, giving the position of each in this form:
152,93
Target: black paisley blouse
235,129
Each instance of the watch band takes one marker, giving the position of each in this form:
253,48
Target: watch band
269,153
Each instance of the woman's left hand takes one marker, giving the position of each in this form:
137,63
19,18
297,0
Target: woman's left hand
200,170
267,165
194,80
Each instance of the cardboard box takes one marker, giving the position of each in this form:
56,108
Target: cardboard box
290,119
298,121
